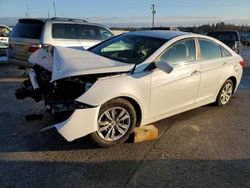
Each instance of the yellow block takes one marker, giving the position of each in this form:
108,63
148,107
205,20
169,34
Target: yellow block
145,133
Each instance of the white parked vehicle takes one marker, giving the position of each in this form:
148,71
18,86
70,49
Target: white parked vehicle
4,38
31,34
131,80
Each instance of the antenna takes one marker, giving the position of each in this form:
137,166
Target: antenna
27,9
54,5
48,14
153,13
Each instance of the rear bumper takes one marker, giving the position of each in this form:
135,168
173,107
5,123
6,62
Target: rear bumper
81,123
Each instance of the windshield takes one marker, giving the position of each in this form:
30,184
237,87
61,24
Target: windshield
128,48
4,31
225,36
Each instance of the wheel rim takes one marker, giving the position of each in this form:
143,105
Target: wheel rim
226,93
113,123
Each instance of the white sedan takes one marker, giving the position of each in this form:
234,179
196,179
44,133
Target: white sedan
131,80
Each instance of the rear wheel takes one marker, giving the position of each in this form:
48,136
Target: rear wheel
116,120
225,93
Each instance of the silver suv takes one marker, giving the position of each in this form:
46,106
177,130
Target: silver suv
31,34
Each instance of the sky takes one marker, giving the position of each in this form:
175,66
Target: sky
130,13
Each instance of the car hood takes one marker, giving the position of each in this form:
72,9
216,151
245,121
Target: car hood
65,62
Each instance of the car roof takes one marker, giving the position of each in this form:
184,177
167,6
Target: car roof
64,20
159,34
38,19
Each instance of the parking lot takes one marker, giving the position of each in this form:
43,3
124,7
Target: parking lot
205,147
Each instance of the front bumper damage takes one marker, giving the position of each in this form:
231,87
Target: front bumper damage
81,123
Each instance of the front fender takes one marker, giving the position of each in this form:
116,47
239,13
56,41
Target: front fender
135,86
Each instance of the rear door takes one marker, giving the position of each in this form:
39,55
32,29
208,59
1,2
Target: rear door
25,39
66,35
214,68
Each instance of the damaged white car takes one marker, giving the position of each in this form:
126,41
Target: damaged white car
131,80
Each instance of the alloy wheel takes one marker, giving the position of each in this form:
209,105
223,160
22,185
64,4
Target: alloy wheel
226,93
113,123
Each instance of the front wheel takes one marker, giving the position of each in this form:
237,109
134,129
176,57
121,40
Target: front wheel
225,93
116,120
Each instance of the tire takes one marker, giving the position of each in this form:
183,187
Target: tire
116,120
225,93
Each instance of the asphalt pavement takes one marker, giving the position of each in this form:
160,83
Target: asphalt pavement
205,147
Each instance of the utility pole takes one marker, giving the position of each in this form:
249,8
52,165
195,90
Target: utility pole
54,5
27,9
153,13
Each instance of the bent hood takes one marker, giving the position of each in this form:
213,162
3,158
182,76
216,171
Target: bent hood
65,62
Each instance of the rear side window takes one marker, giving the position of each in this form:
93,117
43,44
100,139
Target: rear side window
225,53
28,29
182,51
65,31
88,32
209,49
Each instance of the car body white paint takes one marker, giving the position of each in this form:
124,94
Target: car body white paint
158,94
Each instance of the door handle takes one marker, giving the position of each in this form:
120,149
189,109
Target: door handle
195,73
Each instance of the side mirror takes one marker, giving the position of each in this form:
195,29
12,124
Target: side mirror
164,66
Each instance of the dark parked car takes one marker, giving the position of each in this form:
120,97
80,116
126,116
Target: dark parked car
230,38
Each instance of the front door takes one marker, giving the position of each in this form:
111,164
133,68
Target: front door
178,89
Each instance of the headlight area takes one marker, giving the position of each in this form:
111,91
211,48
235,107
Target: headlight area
63,94
80,105
58,96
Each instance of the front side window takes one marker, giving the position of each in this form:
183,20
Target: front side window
180,52
65,31
209,49
128,48
4,31
105,34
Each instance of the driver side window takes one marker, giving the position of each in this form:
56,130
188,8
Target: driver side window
182,51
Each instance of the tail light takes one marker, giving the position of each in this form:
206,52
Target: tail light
34,47
242,63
